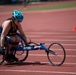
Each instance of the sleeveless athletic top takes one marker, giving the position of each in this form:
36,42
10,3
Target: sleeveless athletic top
13,30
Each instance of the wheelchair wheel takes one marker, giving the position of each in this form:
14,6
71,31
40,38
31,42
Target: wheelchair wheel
21,55
58,58
3,57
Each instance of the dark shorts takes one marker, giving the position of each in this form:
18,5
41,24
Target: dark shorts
8,39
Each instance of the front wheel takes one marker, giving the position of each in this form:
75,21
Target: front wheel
58,58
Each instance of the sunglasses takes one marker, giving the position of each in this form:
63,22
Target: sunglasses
19,21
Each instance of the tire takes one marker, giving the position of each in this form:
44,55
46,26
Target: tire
19,54
22,55
58,55
3,57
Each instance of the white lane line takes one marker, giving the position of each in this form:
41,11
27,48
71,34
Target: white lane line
66,49
54,39
55,36
51,55
58,41
36,33
65,44
69,49
37,71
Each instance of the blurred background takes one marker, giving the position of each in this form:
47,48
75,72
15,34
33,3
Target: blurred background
3,2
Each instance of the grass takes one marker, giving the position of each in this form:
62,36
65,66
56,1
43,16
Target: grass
53,7
61,6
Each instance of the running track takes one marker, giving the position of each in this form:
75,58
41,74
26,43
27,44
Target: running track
47,27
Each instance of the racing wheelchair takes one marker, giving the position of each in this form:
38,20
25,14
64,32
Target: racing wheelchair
55,52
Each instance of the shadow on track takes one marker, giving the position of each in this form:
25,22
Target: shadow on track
25,63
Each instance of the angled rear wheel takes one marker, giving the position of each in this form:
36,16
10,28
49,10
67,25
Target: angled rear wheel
3,57
20,54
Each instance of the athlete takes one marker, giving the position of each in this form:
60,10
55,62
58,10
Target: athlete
9,28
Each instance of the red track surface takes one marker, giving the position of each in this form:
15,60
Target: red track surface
46,26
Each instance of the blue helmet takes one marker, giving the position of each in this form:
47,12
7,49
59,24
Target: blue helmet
17,15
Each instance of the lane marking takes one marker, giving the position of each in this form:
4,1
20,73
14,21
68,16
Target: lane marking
51,55
55,36
37,71
65,44
66,49
35,33
55,39
70,49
